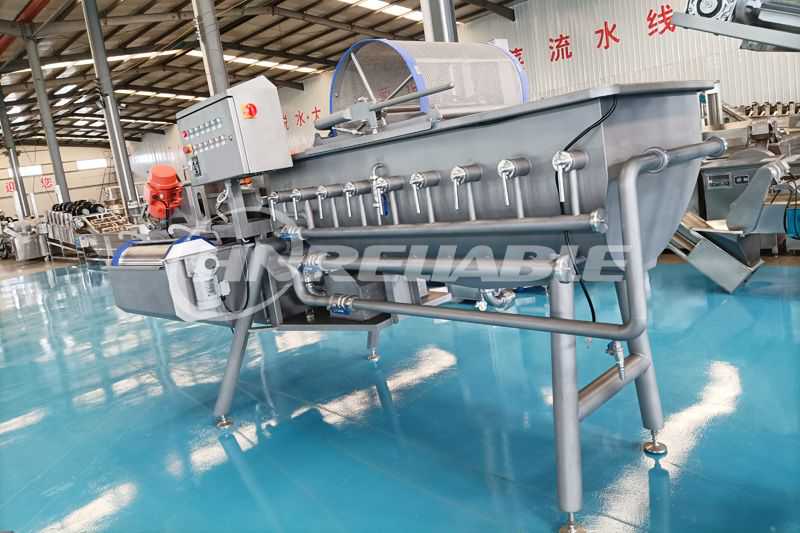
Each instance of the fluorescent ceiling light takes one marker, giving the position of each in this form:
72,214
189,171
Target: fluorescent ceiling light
266,64
65,89
81,123
144,121
385,7
62,102
153,94
111,59
66,138
14,110
91,164
97,124
84,110
31,170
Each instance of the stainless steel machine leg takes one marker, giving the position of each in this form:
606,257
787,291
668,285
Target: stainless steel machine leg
241,333
565,406
373,336
646,384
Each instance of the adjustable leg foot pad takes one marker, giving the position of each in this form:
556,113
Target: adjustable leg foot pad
224,422
653,448
572,526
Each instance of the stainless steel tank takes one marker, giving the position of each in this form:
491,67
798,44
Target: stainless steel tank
663,115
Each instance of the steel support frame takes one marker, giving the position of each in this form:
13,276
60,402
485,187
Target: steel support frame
116,137
571,405
241,332
439,21
46,115
13,160
205,16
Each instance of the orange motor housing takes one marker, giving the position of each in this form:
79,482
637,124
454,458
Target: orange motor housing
163,191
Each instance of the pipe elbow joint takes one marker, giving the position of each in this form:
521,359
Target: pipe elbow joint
633,328
723,146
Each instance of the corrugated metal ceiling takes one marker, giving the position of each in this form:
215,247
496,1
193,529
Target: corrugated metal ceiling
290,38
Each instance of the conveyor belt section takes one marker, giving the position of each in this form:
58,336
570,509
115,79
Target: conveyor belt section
728,258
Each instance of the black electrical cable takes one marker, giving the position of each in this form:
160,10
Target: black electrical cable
246,291
562,205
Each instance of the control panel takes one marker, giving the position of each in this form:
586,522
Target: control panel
723,183
236,134
719,181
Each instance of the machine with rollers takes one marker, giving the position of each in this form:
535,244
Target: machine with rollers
434,172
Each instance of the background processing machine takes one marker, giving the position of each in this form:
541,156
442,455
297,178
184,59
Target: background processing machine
429,177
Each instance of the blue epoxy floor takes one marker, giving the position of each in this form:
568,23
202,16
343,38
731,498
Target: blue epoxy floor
105,420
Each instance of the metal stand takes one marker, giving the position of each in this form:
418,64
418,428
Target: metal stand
653,447
565,406
373,336
571,526
241,334
646,384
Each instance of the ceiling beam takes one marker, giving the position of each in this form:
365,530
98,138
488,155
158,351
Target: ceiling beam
153,89
239,47
59,28
138,131
89,78
85,56
65,142
10,27
503,11
174,107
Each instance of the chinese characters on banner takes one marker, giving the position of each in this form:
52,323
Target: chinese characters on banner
47,183
10,187
517,52
659,22
560,49
606,36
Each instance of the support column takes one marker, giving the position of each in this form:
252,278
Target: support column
241,333
32,49
205,17
13,160
646,384
565,405
116,137
439,21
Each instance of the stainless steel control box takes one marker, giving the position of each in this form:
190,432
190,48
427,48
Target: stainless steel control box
236,134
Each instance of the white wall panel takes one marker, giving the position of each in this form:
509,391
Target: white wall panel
156,149
83,185
682,55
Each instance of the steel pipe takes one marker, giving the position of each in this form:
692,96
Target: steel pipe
13,159
526,270
32,48
608,384
116,136
514,226
635,276
439,21
566,421
211,46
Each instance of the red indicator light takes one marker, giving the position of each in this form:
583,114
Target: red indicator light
249,111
